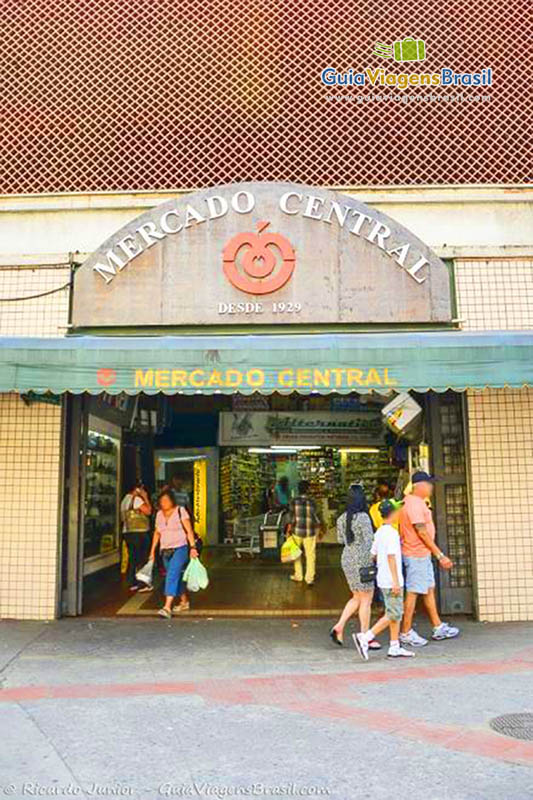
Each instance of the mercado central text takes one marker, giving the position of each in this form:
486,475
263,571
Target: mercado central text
176,220
256,378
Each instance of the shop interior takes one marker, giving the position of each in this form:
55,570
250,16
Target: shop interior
237,493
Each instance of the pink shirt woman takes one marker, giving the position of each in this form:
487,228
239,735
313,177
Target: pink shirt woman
171,528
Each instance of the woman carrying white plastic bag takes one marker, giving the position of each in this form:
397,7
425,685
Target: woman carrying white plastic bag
146,572
174,534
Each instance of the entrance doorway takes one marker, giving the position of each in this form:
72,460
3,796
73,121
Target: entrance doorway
237,486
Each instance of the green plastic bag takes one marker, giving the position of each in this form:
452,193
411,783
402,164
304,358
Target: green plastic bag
195,576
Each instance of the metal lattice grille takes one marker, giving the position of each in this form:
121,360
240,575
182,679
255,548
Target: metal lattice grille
455,493
139,94
458,535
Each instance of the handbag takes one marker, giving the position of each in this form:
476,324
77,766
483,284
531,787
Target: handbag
290,550
368,574
135,521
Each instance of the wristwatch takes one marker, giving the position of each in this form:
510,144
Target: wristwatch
440,555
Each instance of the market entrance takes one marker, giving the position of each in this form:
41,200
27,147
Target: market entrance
236,462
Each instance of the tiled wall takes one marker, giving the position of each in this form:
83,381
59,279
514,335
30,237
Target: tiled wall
41,316
498,295
29,488
30,439
501,455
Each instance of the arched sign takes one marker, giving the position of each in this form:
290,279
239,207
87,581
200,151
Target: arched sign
263,253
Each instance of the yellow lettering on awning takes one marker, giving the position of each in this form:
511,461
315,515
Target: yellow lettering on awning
233,377
354,377
162,378
373,377
303,377
338,376
196,377
255,377
144,378
215,379
321,377
285,377
178,377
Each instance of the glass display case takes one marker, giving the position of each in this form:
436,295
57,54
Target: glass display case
102,486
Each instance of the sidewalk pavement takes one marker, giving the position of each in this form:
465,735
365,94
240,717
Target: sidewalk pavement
261,708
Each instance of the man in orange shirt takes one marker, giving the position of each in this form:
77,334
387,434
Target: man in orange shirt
417,533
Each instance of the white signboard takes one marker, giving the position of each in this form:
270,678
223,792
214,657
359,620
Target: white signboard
251,428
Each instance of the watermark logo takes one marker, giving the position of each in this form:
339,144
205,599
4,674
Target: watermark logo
408,49
259,263
402,51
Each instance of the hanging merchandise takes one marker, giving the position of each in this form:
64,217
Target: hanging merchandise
401,412
102,469
244,477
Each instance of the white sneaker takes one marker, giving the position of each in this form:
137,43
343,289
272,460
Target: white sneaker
412,638
361,645
444,631
399,652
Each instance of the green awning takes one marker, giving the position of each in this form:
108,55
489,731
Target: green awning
304,363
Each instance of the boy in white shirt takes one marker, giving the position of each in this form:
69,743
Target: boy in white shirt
387,550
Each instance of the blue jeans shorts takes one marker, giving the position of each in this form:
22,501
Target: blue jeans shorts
419,574
175,562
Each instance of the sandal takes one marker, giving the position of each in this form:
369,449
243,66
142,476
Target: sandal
181,607
165,613
335,638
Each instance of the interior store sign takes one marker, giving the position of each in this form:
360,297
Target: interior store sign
304,428
261,252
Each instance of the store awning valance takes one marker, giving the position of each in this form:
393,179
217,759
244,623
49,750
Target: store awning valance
304,363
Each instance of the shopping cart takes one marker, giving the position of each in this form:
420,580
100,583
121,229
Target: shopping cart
272,533
246,535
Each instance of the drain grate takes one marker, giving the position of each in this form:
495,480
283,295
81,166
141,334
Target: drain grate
517,726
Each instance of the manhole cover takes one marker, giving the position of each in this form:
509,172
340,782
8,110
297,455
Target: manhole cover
517,726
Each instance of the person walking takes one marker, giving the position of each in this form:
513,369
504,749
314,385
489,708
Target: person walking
174,534
305,527
181,496
355,532
387,550
135,512
417,533
382,493
282,493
